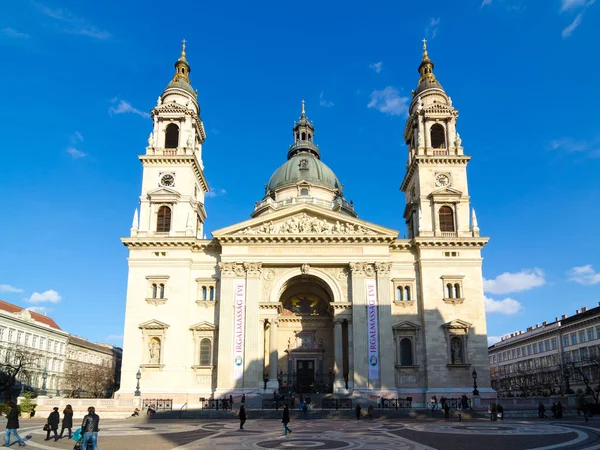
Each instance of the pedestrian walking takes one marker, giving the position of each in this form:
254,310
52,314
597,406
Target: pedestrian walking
541,411
586,411
231,400
67,422
285,420
89,428
370,412
357,411
52,422
12,425
459,410
446,408
500,412
379,402
305,410
559,410
242,416
243,399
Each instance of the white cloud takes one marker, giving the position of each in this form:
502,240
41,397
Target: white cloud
389,101
569,145
9,288
515,282
215,192
76,154
432,27
377,67
39,309
73,24
568,31
114,337
324,103
584,275
12,33
124,107
78,136
486,3
493,339
508,306
50,296
571,4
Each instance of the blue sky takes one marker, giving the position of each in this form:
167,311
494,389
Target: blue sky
80,77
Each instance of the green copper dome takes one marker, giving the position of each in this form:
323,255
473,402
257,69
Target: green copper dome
304,166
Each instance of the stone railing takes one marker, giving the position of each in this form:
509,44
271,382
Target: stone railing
107,407
296,200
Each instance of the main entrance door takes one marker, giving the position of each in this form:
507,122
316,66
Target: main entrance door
305,371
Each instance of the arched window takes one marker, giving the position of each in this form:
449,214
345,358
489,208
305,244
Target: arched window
303,136
456,350
309,137
399,294
438,136
407,293
162,290
212,293
304,191
172,136
204,293
163,220
449,291
205,349
406,358
154,290
457,290
446,219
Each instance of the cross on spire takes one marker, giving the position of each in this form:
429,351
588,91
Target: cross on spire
303,112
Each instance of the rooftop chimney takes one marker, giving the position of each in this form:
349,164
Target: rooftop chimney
529,328
537,325
576,311
563,317
584,309
556,319
544,323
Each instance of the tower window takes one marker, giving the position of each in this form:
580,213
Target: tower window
438,136
303,136
309,137
172,136
304,191
406,358
446,219
205,351
163,220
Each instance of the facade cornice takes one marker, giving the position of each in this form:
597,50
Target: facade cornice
450,242
177,159
305,239
401,244
170,242
431,160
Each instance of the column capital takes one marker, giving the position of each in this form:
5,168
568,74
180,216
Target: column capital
383,269
253,269
362,269
232,269
337,321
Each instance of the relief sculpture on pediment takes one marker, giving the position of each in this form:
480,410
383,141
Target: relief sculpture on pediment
305,224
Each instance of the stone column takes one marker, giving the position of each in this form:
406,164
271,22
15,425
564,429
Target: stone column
225,381
273,355
253,352
386,345
338,353
350,357
359,316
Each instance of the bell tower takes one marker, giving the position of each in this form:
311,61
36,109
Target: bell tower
173,184
435,184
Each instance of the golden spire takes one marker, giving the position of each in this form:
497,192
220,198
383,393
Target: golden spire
425,49
303,112
183,49
426,66
182,68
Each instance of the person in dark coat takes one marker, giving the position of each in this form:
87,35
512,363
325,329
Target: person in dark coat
446,407
559,410
370,412
541,411
53,421
243,399
358,411
242,416
67,421
500,412
285,420
231,400
12,424
89,428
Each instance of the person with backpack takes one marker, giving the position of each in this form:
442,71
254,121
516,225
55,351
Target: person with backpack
285,420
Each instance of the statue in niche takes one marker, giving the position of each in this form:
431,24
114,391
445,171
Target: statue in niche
154,351
159,101
457,141
456,350
151,140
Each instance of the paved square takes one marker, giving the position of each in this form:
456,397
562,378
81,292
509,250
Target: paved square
332,434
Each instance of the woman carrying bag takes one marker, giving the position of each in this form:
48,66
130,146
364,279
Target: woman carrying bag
52,424
67,421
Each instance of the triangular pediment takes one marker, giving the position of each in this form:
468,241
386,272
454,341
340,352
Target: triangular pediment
446,191
163,192
457,324
153,325
406,326
302,220
203,326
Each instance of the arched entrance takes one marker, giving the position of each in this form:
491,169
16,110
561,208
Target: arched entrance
306,329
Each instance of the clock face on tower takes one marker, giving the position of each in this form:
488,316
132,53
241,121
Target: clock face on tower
442,180
167,180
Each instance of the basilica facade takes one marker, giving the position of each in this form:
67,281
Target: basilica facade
304,293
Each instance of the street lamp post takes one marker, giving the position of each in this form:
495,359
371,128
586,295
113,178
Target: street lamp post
138,375
474,375
44,378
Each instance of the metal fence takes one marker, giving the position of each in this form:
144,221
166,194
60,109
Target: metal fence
216,404
278,404
396,403
336,403
158,404
454,402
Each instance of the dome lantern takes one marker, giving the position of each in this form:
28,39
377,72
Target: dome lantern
304,133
